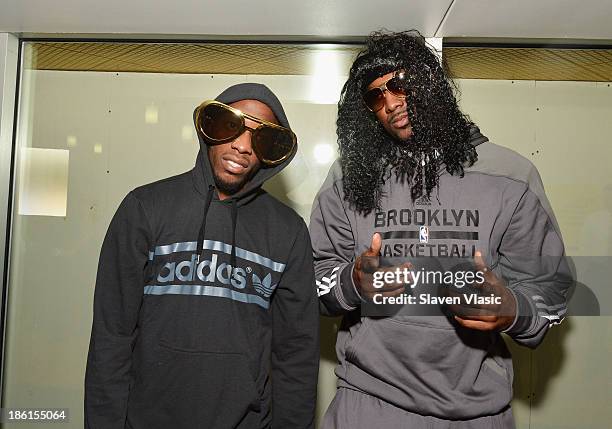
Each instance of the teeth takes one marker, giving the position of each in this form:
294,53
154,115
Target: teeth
233,164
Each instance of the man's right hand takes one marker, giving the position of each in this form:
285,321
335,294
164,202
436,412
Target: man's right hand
365,266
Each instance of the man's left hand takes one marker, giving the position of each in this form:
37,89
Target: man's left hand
487,317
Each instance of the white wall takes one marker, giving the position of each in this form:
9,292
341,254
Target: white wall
564,384
564,129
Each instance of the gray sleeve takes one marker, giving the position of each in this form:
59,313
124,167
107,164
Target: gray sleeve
533,262
333,246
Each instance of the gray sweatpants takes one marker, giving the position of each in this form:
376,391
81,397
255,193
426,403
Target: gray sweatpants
351,409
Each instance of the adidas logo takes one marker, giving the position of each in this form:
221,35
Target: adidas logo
211,271
264,286
326,283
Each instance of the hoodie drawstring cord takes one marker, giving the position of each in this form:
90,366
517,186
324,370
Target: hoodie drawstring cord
200,244
234,221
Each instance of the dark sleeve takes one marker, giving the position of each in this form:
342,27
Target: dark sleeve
117,300
533,262
333,246
295,342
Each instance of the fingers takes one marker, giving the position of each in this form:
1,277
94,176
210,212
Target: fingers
484,310
478,324
370,294
369,261
477,313
479,262
388,281
399,277
375,246
388,291
484,323
481,266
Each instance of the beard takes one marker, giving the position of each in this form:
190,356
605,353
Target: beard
232,187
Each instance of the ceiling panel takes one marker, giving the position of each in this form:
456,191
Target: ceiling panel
592,65
341,20
304,18
286,59
186,57
560,19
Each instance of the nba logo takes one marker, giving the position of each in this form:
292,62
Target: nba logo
424,234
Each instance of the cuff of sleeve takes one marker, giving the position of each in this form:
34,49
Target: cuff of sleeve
524,315
348,297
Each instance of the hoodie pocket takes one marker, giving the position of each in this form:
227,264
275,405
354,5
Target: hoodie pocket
497,371
184,388
427,366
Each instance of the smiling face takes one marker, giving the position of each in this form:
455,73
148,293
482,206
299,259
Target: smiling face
234,163
394,114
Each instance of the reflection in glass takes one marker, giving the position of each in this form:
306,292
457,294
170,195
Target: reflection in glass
43,182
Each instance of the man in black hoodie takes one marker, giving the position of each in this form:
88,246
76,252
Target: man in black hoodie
204,311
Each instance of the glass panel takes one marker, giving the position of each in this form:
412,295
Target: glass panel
86,138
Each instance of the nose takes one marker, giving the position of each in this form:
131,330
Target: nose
242,143
392,102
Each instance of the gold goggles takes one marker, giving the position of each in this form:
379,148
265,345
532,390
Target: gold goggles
219,123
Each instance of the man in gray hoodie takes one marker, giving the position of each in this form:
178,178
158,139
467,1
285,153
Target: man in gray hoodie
417,190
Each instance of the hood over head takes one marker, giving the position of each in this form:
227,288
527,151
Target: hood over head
202,172
242,91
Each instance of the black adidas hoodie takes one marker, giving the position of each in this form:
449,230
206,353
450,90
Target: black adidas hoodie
178,343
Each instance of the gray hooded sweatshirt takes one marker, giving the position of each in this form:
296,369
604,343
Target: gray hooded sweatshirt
428,364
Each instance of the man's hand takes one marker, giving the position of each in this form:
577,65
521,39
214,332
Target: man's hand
366,264
487,317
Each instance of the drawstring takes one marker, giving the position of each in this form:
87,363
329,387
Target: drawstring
234,221
200,244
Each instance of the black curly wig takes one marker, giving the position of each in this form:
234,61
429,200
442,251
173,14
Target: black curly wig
440,131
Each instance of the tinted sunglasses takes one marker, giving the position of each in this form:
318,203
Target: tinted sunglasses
220,123
374,98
